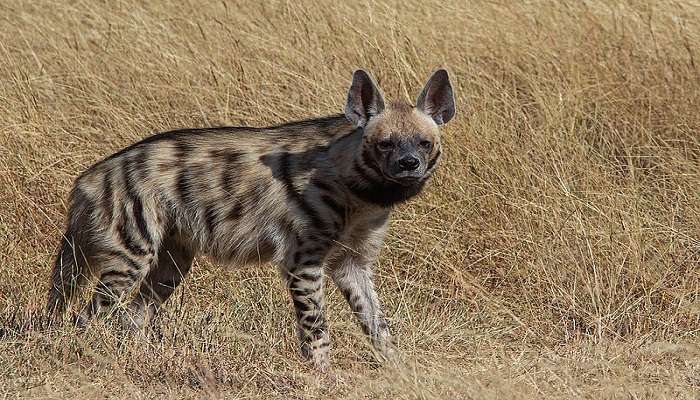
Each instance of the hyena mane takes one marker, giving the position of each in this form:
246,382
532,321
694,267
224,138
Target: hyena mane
312,197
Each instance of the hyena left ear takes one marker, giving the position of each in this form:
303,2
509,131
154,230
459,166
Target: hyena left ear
437,99
364,99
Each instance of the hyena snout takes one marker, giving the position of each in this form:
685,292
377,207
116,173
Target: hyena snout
408,163
406,166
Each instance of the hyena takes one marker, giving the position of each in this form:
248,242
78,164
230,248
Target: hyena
313,197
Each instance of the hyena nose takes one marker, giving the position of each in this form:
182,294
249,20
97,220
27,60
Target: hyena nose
409,163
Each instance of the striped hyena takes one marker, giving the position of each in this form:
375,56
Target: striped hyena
313,197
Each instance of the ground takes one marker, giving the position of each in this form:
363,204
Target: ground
555,255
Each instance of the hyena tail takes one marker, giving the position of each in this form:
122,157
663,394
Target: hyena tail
69,270
67,276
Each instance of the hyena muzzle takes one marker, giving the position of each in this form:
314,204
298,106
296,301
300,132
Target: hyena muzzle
312,197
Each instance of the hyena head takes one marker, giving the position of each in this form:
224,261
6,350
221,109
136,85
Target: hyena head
401,143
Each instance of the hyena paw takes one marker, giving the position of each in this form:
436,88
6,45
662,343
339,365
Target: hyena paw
317,353
385,350
137,317
132,322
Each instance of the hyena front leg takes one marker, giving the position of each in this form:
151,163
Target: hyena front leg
174,262
352,272
304,277
353,276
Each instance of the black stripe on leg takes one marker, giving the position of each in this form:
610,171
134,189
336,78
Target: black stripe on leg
383,325
302,292
127,275
307,276
316,303
300,306
358,308
365,328
320,328
136,266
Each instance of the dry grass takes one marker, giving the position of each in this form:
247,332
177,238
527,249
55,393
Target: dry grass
555,255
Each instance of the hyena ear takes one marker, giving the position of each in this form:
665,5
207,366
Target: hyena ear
437,99
364,99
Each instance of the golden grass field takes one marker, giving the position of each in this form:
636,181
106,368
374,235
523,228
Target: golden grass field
555,255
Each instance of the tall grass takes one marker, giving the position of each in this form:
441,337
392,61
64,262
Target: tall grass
555,255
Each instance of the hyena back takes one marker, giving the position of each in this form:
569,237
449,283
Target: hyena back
311,197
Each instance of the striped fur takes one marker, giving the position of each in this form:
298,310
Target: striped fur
312,197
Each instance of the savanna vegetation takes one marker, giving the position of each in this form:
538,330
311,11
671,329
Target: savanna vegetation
556,254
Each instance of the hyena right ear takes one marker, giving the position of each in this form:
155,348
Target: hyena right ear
364,99
437,99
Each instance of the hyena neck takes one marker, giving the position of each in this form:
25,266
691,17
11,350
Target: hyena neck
364,179
384,193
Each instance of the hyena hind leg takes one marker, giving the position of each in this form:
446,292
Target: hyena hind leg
118,275
174,262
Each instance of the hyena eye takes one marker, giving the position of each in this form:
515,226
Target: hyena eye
426,144
385,145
